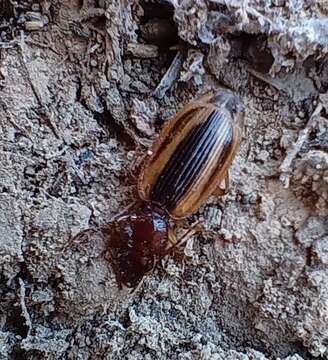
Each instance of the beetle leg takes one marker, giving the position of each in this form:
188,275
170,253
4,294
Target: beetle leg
136,163
120,214
80,238
137,288
226,182
172,237
109,256
223,187
187,235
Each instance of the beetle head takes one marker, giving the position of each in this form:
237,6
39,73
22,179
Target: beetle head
232,103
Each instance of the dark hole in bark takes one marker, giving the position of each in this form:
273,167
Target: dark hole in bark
115,129
79,92
158,9
323,74
157,26
7,9
19,354
80,4
15,322
253,49
100,22
300,349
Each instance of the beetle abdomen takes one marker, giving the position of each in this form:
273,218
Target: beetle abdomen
212,138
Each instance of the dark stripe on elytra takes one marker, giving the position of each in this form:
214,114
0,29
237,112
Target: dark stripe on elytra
187,161
175,130
217,145
166,179
196,161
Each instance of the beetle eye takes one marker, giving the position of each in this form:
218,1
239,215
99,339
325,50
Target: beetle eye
234,105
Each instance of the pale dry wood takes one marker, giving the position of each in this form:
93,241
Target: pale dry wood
169,77
286,166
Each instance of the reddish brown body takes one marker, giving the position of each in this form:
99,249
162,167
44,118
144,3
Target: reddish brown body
136,241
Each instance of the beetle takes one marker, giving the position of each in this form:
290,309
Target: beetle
188,162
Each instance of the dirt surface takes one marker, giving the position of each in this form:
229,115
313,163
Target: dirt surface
85,86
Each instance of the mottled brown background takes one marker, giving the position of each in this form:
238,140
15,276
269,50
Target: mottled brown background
84,89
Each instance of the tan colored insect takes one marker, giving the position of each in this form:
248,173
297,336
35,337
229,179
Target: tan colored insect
193,153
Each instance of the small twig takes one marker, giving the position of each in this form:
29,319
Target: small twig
18,127
25,313
13,43
267,79
42,45
169,77
137,288
8,44
285,167
48,117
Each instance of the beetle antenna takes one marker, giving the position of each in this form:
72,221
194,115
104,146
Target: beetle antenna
122,212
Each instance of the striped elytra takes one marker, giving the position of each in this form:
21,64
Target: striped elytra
193,153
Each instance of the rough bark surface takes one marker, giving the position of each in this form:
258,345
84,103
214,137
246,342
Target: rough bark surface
85,86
